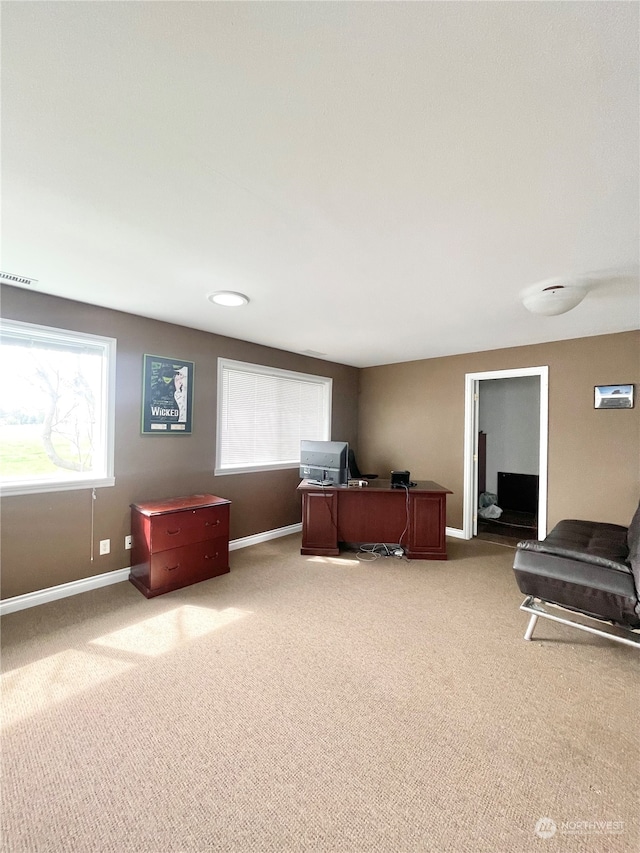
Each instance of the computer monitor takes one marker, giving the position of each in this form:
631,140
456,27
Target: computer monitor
325,461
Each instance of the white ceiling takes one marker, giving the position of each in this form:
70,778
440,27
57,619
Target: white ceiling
381,179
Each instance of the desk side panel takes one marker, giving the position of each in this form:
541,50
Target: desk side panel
427,539
319,523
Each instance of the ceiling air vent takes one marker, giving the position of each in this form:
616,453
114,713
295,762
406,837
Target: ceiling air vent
12,278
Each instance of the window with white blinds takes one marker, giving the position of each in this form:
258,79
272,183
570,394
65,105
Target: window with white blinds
263,413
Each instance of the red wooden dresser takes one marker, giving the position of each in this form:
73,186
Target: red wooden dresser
178,541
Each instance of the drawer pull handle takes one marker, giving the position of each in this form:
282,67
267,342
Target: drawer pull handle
171,568
211,556
212,523
173,532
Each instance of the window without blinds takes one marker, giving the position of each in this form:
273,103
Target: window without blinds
264,413
57,413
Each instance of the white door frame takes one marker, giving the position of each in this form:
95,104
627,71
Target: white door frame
469,522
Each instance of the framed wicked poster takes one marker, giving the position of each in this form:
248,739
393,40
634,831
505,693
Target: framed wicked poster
167,395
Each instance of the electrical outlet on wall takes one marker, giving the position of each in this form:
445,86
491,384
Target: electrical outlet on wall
128,543
105,546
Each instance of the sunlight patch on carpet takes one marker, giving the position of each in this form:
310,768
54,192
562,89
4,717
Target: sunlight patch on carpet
332,561
53,679
168,631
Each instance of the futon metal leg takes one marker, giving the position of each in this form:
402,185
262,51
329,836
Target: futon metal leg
619,633
532,624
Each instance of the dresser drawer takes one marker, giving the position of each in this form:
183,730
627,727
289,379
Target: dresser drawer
175,529
178,567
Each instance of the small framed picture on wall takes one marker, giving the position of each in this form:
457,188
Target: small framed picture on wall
167,395
613,397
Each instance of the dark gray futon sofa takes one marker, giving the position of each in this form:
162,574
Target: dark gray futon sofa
587,567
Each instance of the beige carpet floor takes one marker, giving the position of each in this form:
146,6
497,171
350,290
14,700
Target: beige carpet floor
309,704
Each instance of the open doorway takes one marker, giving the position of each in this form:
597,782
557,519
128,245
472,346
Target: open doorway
508,459
514,452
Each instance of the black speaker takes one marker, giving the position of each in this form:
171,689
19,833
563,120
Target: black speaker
400,479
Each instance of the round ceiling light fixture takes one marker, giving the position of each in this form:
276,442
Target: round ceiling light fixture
229,298
555,296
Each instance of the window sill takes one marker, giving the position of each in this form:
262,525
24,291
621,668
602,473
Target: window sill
10,489
252,469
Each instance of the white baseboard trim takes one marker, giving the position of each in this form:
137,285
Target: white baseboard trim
246,541
63,590
454,532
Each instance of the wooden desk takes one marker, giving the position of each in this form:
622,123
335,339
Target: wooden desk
375,513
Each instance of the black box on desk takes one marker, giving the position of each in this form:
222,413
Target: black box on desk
400,479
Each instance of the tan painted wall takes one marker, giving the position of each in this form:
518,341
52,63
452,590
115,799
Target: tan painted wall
46,538
404,415
411,415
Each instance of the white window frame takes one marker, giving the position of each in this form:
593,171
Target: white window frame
34,485
228,364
